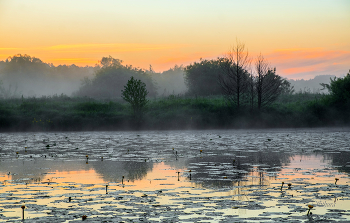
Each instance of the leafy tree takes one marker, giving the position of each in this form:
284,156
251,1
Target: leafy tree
110,79
339,89
135,93
287,88
201,78
110,62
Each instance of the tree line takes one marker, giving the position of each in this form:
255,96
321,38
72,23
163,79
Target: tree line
242,80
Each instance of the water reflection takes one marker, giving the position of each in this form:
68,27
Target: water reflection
214,177
222,170
340,160
206,171
38,170
113,171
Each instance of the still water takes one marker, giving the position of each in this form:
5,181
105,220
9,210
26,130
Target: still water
176,176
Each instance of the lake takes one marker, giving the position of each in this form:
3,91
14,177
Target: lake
264,175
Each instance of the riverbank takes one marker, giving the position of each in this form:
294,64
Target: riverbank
63,113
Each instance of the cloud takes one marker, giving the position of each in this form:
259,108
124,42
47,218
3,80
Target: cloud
310,62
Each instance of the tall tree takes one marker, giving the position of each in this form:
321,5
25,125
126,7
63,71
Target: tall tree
268,84
110,79
262,69
339,89
201,77
234,75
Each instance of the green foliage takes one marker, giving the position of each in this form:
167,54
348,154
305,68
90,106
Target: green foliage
63,113
135,93
201,77
110,79
340,91
287,88
110,62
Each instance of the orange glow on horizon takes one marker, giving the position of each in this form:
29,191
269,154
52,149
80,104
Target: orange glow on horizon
306,61
162,57
294,70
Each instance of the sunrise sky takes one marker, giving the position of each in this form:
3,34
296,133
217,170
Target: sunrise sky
300,38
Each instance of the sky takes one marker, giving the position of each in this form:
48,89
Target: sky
300,38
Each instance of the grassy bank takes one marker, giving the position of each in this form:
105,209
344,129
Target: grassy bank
62,113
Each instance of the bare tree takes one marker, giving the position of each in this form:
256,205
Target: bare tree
268,84
262,69
234,75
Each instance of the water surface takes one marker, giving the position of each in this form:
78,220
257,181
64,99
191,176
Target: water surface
170,176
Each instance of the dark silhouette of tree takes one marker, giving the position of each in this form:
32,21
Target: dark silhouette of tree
287,88
135,93
271,88
201,77
109,62
268,84
234,76
262,69
339,89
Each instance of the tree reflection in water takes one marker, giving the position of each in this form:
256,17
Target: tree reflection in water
113,171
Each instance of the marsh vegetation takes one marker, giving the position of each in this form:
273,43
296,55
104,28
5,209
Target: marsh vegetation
173,176
219,93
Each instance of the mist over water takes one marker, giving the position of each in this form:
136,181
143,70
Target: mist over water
22,75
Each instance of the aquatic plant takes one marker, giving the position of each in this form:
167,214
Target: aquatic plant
23,207
123,180
282,185
106,189
289,186
336,179
83,217
310,207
